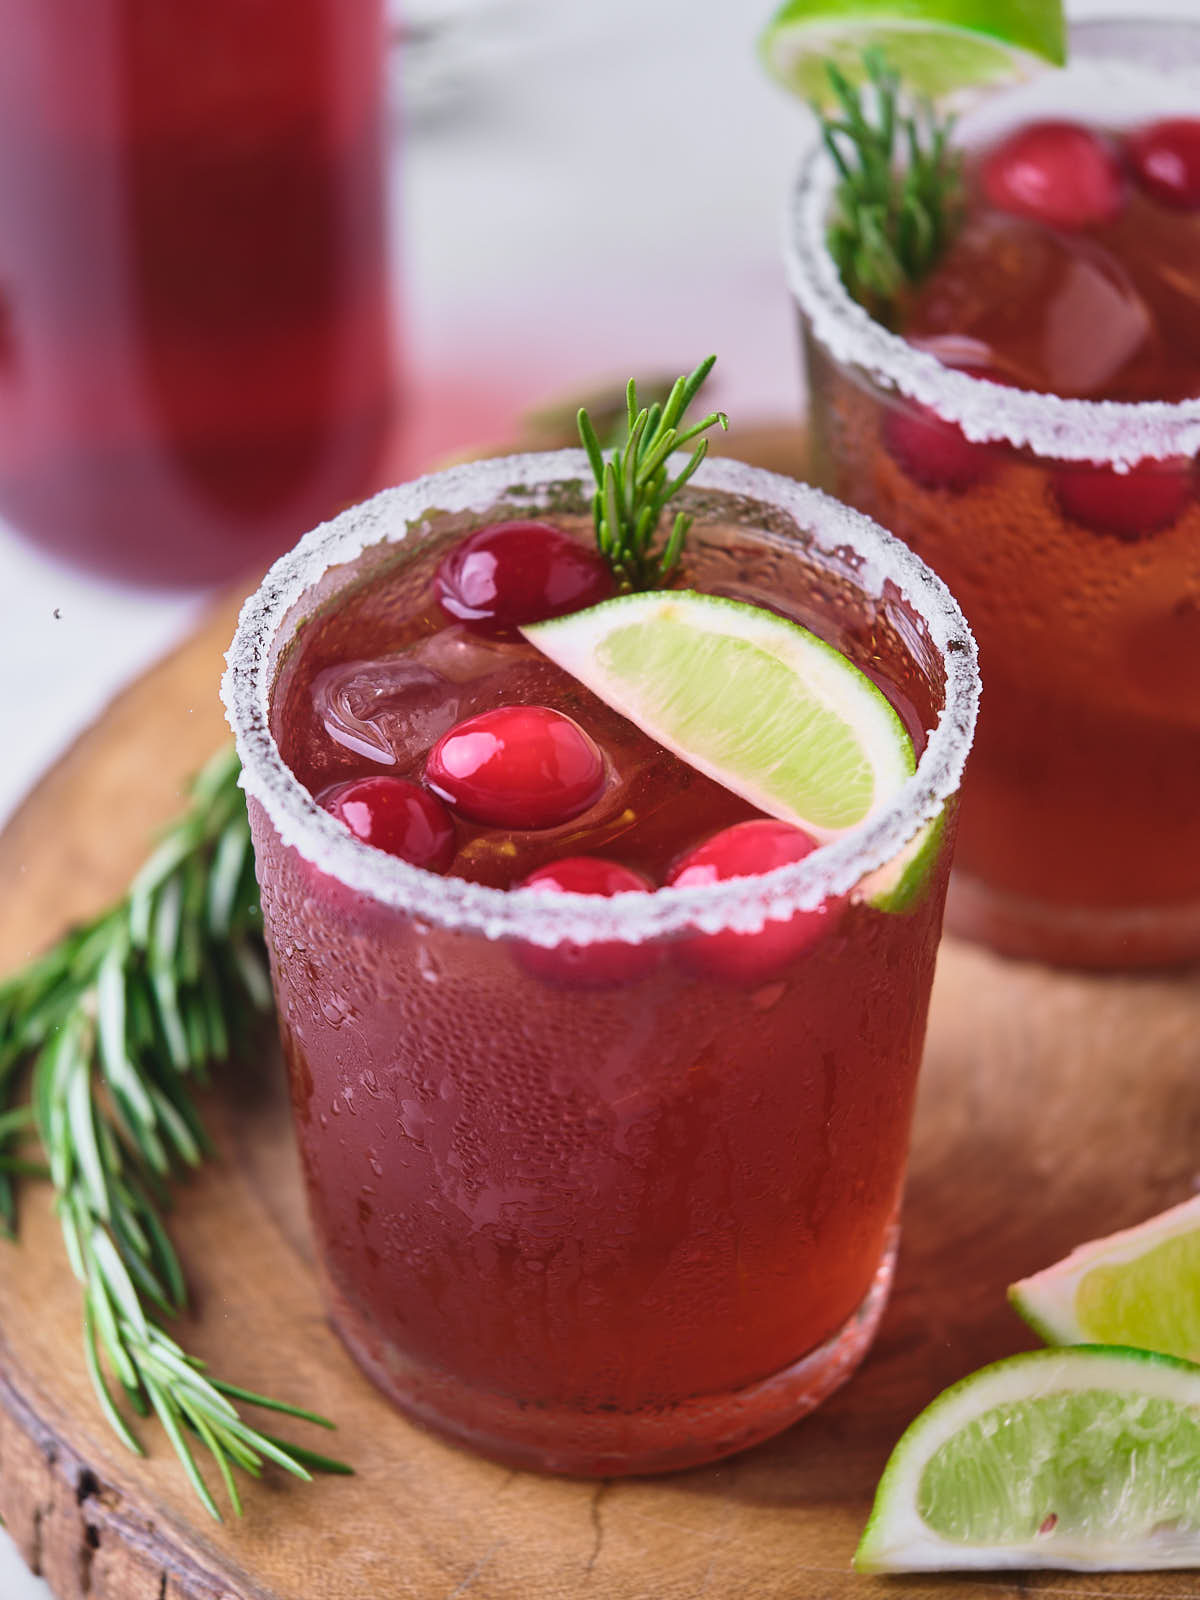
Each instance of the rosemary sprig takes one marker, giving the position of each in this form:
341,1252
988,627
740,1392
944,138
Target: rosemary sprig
899,199
121,1020
633,485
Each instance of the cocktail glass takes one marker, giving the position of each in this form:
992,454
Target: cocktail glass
631,1226
1079,840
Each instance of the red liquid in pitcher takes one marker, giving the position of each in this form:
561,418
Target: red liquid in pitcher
194,361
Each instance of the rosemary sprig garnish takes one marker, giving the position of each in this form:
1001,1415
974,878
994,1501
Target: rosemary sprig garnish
121,1020
633,486
899,199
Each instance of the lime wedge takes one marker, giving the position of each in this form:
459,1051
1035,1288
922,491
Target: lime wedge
754,701
936,46
900,886
1138,1287
1087,1458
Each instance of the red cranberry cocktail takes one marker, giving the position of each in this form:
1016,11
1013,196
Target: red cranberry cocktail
603,1107
1029,424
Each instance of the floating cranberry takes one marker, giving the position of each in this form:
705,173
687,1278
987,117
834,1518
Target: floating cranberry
1165,158
515,572
590,965
745,851
517,767
1057,173
933,452
395,816
1124,505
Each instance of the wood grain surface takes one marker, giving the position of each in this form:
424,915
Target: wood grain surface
1054,1107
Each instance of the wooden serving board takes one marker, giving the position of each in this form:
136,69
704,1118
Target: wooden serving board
1054,1107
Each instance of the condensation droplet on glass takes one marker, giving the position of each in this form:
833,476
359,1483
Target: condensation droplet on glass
427,967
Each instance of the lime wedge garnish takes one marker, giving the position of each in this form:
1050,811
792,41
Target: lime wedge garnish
900,885
1087,1458
937,46
758,703
1138,1287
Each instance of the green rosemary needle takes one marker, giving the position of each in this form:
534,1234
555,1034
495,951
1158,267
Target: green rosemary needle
898,201
633,486
120,1021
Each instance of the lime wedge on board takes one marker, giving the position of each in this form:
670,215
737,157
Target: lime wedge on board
937,46
754,701
1086,1458
1138,1287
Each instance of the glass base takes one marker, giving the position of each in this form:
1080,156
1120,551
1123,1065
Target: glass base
603,1444
1100,937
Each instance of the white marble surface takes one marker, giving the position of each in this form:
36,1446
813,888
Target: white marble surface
602,191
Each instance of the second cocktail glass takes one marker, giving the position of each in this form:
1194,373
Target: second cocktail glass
1079,838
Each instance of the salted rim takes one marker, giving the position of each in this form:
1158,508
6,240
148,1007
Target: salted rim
740,904
1120,433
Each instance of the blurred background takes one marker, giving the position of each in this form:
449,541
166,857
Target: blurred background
575,193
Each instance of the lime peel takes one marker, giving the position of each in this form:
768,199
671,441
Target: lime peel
1084,1458
754,701
1140,1286
900,886
937,46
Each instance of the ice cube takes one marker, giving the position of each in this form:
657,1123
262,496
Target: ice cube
1096,324
461,655
490,672
1055,312
387,711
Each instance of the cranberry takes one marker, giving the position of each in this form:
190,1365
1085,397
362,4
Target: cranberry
517,767
515,572
933,452
397,817
1125,505
590,965
1166,161
745,851
1055,172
